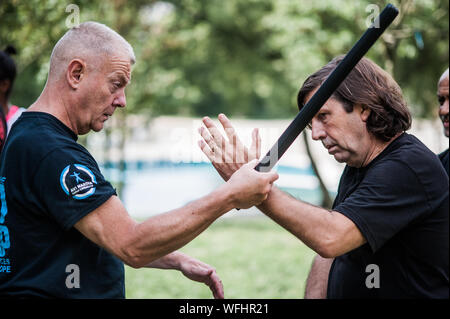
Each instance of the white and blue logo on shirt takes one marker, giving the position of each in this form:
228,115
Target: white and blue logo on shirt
78,181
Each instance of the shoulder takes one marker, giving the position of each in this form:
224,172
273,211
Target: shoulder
444,158
443,155
36,143
409,164
410,151
40,131
35,137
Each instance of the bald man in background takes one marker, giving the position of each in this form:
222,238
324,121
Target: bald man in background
442,94
64,233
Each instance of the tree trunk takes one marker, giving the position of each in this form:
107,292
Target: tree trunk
107,145
327,202
123,128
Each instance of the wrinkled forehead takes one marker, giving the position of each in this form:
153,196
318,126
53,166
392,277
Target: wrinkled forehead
330,104
120,65
115,66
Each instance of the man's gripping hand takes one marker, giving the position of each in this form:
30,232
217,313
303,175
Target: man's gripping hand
248,187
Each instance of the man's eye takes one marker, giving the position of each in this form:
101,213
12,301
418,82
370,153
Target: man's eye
441,100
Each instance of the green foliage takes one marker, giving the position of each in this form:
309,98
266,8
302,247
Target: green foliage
254,258
241,57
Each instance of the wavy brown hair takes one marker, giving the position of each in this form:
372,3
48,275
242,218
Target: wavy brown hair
369,86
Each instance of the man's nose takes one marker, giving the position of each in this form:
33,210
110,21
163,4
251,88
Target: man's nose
120,100
317,131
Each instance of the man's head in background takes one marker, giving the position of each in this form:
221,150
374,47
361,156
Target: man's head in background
443,100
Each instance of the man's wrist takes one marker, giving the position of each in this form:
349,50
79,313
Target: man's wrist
174,260
264,206
227,196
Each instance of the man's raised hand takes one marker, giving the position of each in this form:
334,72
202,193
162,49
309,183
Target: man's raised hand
227,155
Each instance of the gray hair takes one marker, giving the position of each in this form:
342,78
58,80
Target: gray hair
89,39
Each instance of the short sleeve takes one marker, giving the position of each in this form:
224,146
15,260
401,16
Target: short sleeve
388,199
70,185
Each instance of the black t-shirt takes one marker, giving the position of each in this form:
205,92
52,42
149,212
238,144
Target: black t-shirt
399,202
48,182
444,159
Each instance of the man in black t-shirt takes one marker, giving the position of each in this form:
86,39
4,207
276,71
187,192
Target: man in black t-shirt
317,280
63,231
387,233
443,113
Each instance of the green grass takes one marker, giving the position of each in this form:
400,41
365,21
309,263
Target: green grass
254,257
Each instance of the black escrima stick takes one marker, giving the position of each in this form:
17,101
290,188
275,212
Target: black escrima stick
327,88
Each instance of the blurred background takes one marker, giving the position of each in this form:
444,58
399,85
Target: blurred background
244,58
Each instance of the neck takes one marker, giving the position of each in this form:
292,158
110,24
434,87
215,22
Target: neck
377,147
51,101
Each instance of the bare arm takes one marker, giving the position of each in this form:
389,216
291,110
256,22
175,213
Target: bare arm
149,244
152,242
317,281
138,244
328,233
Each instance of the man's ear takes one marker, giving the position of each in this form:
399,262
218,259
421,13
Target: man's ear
365,113
4,86
75,73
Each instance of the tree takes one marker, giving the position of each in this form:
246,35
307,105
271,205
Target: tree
240,57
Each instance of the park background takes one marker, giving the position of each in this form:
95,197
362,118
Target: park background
244,58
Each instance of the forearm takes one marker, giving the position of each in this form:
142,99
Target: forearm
191,268
322,230
317,281
303,220
169,261
164,233
138,244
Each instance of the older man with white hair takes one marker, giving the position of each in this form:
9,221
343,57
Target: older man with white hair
64,233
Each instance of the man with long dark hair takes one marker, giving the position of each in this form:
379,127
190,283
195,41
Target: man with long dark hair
387,233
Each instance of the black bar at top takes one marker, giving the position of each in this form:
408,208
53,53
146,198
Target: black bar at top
328,87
